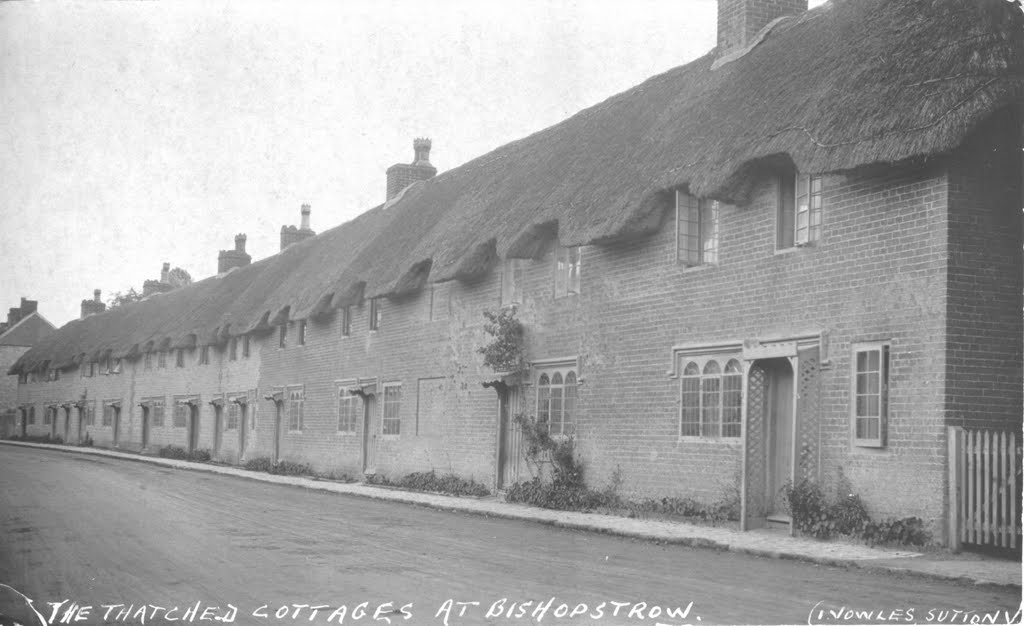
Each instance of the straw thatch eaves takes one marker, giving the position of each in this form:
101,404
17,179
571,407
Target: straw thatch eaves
848,84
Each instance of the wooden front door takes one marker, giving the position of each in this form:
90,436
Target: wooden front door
218,415
509,437
24,422
117,425
371,427
278,407
243,425
193,428
145,427
81,421
67,423
779,430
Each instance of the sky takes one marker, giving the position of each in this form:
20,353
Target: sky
134,134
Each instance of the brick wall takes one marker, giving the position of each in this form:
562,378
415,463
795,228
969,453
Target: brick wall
985,285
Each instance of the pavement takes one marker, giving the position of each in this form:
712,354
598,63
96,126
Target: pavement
964,567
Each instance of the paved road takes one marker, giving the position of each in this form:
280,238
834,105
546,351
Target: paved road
99,531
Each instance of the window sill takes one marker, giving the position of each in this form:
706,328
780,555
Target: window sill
347,433
732,442
392,437
697,268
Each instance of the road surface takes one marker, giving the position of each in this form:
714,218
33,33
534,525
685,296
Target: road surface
176,545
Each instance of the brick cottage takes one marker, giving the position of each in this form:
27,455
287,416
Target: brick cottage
799,256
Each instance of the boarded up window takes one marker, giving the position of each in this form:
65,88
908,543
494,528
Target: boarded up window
430,395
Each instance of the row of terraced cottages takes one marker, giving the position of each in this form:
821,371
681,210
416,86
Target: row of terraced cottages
778,305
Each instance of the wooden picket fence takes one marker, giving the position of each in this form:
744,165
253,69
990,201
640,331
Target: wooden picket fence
985,488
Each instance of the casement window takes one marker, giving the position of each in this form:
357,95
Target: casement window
346,321
116,368
349,410
105,366
157,413
90,414
711,398
245,346
296,400
282,336
147,361
47,412
440,301
302,333
204,355
556,400
512,282
696,230
108,414
568,263
161,359
375,313
23,377
31,415
870,392
179,358
233,349
234,415
800,209
55,374
392,404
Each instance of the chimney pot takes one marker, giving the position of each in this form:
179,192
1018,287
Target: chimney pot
305,217
402,175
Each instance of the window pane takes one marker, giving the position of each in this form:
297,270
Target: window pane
732,404
690,401
692,369
556,410
688,228
569,403
787,210
709,231
710,413
712,368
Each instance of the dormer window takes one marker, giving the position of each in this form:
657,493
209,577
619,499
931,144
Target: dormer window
375,314
696,230
568,263
800,209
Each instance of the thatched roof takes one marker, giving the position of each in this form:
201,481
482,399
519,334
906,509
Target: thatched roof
848,84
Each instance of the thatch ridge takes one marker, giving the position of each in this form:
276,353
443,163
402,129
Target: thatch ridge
846,85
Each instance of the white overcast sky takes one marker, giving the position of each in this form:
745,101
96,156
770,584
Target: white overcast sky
137,133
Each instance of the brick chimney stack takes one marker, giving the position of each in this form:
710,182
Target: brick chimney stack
164,272
290,234
95,305
228,259
401,175
739,21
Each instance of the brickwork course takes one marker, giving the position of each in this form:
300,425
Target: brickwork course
364,340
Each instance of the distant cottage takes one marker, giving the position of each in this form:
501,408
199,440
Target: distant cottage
799,256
